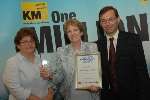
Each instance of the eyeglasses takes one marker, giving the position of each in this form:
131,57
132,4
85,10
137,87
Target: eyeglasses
26,42
110,20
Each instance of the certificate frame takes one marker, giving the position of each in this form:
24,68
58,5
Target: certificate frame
88,70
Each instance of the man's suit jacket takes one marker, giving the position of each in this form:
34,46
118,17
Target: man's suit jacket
131,69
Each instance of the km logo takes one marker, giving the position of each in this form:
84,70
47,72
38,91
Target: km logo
31,15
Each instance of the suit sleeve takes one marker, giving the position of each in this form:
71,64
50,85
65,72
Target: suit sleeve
62,85
142,79
58,75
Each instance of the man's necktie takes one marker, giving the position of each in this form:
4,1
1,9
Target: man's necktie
112,61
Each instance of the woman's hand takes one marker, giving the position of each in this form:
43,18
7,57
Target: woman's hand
50,94
45,73
93,88
32,97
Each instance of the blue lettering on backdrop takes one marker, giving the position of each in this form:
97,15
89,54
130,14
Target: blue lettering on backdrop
46,31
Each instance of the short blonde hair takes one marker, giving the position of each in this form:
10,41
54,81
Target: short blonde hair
73,22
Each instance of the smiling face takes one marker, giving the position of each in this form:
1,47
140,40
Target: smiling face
26,45
74,34
109,22
74,30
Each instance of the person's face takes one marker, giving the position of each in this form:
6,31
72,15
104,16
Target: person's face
109,22
27,45
74,34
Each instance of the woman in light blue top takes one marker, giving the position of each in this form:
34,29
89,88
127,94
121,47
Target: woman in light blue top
74,31
22,74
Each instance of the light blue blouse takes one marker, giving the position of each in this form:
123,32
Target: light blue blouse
22,78
67,60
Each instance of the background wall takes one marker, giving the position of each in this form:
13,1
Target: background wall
135,15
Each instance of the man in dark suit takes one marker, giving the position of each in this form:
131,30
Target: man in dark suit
124,70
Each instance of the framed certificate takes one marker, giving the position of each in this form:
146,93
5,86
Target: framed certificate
88,71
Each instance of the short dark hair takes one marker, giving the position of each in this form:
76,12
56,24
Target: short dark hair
22,33
107,8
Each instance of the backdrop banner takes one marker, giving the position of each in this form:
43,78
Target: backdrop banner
47,17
